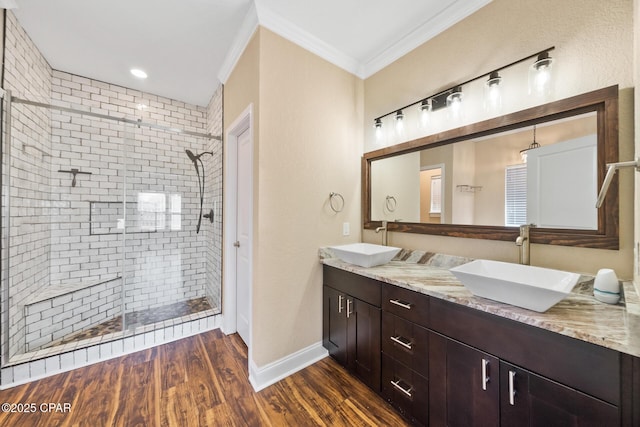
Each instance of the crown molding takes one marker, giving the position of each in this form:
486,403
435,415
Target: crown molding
260,15
243,36
284,28
445,19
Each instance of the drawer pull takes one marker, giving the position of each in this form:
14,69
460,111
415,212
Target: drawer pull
402,304
340,298
402,341
485,376
512,389
397,385
349,310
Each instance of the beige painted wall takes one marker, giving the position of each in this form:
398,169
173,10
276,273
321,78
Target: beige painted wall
594,48
308,143
636,73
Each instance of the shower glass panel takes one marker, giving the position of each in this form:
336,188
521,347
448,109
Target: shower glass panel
99,231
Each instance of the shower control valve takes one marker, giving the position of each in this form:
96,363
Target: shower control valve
209,216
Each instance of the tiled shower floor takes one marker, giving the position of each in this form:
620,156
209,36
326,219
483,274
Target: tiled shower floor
138,318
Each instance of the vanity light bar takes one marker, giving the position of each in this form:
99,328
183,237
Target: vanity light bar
439,100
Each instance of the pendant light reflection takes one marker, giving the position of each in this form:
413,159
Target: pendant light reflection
540,75
532,146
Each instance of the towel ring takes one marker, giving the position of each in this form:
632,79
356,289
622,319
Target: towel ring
332,197
391,203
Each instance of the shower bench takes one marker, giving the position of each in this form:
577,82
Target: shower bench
62,309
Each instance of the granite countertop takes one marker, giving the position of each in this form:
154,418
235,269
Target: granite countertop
579,315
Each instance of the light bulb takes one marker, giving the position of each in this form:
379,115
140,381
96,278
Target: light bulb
493,92
540,75
425,113
399,121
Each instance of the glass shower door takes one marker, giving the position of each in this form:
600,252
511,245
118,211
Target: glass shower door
165,260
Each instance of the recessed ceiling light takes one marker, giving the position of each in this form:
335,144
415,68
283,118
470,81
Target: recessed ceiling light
138,73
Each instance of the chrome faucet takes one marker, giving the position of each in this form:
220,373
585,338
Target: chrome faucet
524,244
384,232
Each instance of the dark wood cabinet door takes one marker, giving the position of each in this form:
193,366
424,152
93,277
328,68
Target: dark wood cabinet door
514,395
334,324
464,385
539,402
363,341
529,399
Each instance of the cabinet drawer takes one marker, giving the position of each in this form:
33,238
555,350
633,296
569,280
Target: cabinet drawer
406,390
363,288
406,342
578,364
407,304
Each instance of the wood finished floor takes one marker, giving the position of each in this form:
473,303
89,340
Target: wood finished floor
198,381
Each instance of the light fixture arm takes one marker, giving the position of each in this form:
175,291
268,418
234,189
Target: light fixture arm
611,171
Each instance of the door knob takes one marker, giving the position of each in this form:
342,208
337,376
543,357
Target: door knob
236,244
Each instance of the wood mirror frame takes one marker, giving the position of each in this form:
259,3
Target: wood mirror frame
603,101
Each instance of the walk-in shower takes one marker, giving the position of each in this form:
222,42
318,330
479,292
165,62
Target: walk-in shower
98,216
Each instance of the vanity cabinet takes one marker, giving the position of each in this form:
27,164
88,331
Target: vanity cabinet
444,364
351,323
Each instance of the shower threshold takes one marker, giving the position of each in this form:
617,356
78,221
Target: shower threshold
169,316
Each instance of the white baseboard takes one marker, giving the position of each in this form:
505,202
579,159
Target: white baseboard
264,376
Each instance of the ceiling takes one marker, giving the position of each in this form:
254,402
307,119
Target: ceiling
189,47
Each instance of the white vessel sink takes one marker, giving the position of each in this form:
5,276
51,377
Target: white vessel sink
534,288
365,254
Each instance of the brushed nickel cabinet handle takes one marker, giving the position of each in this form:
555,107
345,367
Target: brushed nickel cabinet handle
349,306
402,341
485,376
340,298
512,388
397,385
402,304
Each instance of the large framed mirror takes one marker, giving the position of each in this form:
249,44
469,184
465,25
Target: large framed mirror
541,166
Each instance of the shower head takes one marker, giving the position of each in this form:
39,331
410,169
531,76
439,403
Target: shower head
192,157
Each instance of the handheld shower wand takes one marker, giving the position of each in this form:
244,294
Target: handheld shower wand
195,159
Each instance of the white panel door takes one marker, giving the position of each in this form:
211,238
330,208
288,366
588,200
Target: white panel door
243,235
562,182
